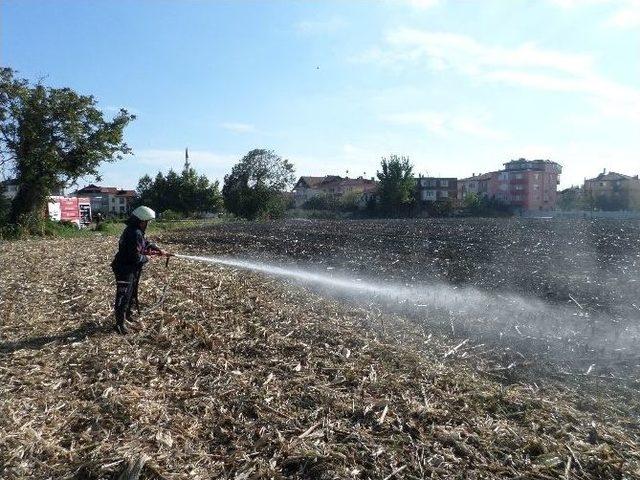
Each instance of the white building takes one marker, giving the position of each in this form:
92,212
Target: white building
108,200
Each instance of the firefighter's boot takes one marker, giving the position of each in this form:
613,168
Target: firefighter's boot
123,297
121,328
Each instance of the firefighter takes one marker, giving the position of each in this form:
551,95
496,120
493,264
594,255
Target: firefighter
133,253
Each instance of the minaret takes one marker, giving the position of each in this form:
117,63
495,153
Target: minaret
186,159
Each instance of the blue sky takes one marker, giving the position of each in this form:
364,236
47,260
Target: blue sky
458,86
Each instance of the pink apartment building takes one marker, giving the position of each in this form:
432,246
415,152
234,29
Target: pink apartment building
526,185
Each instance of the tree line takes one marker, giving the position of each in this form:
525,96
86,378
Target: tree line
53,137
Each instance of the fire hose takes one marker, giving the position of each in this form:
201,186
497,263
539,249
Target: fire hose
159,253
154,253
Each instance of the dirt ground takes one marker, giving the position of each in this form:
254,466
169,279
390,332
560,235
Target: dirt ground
231,374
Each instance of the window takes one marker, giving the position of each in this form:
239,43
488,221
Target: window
518,176
536,186
444,183
428,195
121,200
444,194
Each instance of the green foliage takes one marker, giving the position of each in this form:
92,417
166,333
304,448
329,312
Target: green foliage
255,186
185,194
111,226
322,202
441,208
481,206
397,185
50,137
349,202
29,225
573,199
472,203
171,216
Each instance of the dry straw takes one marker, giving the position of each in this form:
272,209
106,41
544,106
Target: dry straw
235,375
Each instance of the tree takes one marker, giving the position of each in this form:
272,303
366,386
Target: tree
187,193
572,199
50,137
256,185
322,201
472,203
440,208
5,206
397,185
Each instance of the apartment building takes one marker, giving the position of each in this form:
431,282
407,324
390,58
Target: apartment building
526,185
435,189
613,191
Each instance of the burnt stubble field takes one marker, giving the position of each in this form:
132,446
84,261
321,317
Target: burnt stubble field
551,292
479,349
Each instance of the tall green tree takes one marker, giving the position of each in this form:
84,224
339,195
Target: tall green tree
50,137
187,193
397,185
256,185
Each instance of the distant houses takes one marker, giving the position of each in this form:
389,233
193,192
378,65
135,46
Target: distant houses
523,185
108,200
612,183
333,186
612,191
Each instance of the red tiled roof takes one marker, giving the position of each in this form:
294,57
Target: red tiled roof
335,181
311,181
126,193
110,190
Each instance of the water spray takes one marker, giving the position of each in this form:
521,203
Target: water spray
478,313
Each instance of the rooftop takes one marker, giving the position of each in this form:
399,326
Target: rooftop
109,190
537,164
611,176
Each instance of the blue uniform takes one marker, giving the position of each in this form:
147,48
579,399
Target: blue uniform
127,267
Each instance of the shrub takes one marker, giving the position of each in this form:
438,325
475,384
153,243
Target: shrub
171,216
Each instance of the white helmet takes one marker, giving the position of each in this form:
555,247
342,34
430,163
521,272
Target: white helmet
144,213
